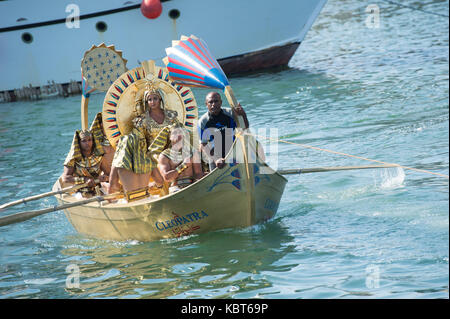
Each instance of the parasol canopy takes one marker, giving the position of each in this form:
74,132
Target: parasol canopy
190,62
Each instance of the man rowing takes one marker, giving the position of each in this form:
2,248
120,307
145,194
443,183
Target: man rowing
85,163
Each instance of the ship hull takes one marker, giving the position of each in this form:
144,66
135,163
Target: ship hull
246,36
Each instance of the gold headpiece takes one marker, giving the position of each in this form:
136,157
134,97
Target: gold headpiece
150,88
140,98
85,133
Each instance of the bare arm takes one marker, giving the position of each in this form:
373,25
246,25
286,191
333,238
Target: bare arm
114,185
197,166
106,170
167,173
67,176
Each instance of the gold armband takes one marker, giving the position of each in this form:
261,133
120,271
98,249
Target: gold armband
181,168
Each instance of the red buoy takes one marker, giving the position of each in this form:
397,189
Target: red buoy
151,8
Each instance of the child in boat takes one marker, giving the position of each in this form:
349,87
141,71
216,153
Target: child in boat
180,164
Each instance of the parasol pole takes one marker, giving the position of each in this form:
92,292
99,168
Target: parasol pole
229,94
84,112
86,91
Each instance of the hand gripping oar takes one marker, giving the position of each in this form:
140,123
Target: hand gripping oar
190,62
39,196
23,216
330,169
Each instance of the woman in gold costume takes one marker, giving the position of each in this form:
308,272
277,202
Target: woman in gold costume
136,154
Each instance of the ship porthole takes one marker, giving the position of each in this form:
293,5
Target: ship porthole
27,37
174,13
101,26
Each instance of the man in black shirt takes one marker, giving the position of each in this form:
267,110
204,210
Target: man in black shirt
216,129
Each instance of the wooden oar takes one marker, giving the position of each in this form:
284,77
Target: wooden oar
330,169
23,216
39,196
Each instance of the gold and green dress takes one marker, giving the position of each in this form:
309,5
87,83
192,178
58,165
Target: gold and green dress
138,151
89,166
154,128
86,166
131,153
98,134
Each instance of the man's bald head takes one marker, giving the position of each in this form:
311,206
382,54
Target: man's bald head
213,102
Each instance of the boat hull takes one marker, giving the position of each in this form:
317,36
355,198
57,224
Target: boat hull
264,59
244,35
238,195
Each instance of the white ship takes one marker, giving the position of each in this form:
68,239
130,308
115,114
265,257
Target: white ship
42,42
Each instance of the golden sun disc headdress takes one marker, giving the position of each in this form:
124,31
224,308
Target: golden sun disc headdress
150,88
124,101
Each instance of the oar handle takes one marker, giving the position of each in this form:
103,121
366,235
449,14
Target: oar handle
39,196
23,216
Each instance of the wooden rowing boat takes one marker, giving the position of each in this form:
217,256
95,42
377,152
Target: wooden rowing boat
243,193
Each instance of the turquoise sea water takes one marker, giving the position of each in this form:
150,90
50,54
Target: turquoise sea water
379,93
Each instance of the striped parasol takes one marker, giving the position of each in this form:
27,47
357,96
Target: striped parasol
189,62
